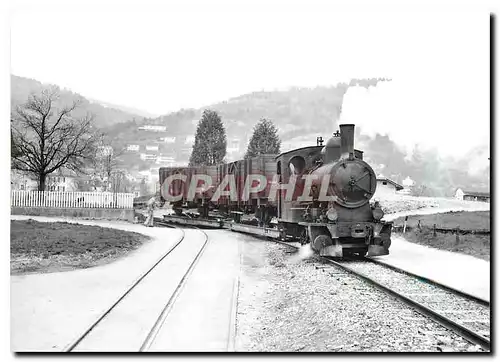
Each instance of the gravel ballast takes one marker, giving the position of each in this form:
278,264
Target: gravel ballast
287,303
464,311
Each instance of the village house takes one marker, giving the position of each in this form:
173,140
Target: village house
22,181
472,195
62,180
233,145
386,187
165,161
104,151
148,157
133,148
152,148
168,139
152,128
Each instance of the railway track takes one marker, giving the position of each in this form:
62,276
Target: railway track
465,315
132,322
204,317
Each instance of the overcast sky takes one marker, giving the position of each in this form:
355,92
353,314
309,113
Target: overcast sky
162,58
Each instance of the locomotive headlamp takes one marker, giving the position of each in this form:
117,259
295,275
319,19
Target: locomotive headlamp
377,213
332,214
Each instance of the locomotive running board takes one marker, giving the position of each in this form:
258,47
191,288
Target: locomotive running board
255,230
179,220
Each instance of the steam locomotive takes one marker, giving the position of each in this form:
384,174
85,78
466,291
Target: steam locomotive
317,195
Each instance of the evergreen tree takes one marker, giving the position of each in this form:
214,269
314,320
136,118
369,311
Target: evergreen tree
210,141
264,140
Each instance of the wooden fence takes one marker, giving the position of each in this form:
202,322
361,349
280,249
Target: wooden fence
434,228
71,199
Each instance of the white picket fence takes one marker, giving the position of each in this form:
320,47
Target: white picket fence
71,199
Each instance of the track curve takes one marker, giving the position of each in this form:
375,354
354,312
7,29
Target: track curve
79,339
111,320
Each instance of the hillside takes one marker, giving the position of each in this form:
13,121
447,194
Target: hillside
125,109
105,114
297,112
294,110
301,114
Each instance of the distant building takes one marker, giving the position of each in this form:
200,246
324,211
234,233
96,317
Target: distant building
152,148
104,151
148,157
168,139
134,148
386,187
153,128
165,160
64,180
472,195
233,146
22,181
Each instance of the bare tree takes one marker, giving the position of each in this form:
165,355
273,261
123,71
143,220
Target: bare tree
47,137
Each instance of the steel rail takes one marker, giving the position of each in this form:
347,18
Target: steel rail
461,330
433,282
150,338
79,339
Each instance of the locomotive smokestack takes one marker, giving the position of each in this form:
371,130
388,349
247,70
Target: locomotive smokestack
347,140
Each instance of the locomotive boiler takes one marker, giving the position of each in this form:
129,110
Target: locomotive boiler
335,216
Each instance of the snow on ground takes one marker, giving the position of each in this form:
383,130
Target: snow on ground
401,205
48,311
463,272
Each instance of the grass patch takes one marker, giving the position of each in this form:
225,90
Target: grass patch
467,220
47,247
470,244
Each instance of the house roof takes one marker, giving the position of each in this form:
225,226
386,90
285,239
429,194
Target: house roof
398,186
63,172
476,193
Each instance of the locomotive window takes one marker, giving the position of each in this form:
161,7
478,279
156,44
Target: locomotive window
384,182
297,165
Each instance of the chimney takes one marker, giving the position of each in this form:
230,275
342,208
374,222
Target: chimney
347,141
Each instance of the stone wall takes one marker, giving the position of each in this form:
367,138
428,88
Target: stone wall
84,213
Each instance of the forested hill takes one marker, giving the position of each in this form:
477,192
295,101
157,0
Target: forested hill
294,111
105,115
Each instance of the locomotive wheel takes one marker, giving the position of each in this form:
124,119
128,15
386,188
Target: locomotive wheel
321,241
